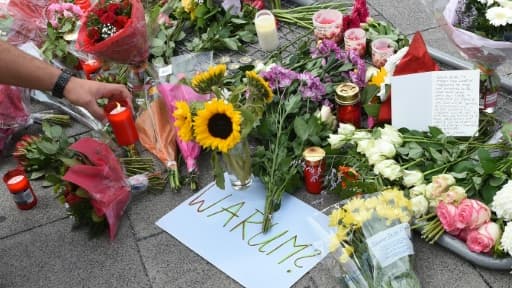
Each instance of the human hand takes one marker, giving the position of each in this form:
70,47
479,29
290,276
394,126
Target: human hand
84,93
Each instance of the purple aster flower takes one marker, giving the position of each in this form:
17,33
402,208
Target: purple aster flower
325,48
279,77
328,104
311,87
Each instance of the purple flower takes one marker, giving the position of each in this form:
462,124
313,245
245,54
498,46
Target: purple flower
325,48
358,75
279,77
311,87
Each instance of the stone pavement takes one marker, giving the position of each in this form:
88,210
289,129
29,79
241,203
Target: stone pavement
37,248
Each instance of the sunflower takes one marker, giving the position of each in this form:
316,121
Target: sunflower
259,87
183,120
204,81
217,126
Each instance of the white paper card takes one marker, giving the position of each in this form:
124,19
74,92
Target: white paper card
224,227
448,100
391,244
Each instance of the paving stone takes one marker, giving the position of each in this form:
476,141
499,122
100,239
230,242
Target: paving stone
407,15
52,256
496,279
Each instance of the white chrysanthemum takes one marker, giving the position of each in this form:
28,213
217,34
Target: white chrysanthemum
499,16
506,239
502,202
503,3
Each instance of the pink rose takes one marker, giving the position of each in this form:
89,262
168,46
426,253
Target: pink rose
446,214
463,235
483,239
472,214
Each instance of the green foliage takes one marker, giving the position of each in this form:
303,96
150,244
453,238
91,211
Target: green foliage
55,47
381,29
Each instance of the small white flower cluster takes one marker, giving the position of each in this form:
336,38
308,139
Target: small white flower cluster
108,30
499,12
502,206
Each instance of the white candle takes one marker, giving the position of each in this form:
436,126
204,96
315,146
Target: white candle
266,30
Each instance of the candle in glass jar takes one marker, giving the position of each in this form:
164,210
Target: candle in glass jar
17,183
355,39
314,169
120,118
349,105
328,24
382,49
90,67
266,30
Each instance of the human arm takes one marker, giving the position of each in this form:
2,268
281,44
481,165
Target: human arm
21,69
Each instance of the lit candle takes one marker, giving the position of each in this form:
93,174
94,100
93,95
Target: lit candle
17,183
328,24
90,67
121,119
266,30
314,169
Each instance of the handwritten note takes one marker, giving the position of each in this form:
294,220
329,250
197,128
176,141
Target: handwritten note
235,244
391,244
448,100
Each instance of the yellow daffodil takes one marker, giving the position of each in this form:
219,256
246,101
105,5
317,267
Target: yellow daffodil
217,126
379,77
183,120
341,233
354,205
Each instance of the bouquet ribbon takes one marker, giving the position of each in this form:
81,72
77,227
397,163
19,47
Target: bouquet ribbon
104,180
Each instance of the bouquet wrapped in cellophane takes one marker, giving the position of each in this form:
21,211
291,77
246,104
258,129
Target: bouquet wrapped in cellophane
371,241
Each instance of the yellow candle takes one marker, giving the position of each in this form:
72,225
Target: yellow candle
266,30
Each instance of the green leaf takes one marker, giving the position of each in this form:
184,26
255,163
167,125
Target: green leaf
462,175
47,147
36,174
55,132
487,193
238,21
66,27
486,161
301,128
231,43
70,162
436,155
218,172
368,93
497,181
157,42
435,132
372,109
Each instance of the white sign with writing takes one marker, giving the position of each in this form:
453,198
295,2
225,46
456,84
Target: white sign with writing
448,100
224,227
391,244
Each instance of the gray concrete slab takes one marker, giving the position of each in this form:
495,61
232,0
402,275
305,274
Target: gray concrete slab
436,268
13,220
496,279
51,256
408,16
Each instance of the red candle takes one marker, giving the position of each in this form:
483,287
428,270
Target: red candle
90,67
314,169
349,105
17,183
120,117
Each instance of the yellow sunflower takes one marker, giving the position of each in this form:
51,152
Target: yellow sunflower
204,81
217,126
183,120
259,88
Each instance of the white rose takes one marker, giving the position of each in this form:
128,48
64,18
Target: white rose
364,146
454,195
336,140
391,135
412,178
388,169
361,135
440,184
346,129
325,115
506,239
419,206
418,190
384,148
374,159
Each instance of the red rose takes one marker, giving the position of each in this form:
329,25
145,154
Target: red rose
120,22
113,7
93,34
100,12
108,18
